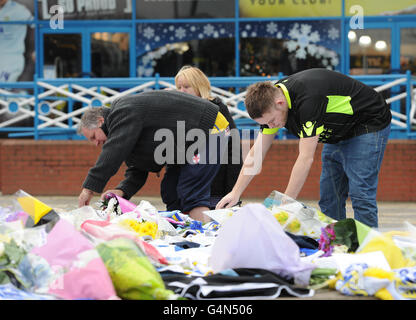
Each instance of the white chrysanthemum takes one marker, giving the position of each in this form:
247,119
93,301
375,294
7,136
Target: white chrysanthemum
113,209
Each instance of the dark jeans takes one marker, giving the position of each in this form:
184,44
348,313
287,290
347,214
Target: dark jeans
350,168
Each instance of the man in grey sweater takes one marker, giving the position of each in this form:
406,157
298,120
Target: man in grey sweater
131,130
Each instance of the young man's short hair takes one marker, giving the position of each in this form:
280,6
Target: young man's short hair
260,98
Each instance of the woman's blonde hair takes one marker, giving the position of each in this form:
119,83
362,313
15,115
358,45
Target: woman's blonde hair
197,80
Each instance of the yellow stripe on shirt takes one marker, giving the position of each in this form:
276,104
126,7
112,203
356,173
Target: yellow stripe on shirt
221,124
269,130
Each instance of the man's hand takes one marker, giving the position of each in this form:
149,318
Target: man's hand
117,192
85,197
228,201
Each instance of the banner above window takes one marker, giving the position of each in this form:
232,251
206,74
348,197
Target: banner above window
323,8
176,9
290,8
86,9
377,7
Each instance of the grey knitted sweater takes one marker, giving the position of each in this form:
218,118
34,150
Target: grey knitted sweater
130,125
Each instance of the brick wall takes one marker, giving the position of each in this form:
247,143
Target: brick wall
59,168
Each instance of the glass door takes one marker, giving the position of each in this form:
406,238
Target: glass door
62,55
408,49
370,51
110,54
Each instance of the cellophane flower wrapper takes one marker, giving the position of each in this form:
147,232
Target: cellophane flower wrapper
296,217
252,238
11,214
35,208
406,241
77,270
133,275
148,212
347,232
124,204
106,231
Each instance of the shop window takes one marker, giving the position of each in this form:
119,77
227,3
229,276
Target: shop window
270,47
165,48
370,51
407,57
62,55
408,50
110,54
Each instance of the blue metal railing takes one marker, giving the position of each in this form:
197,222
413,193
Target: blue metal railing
13,95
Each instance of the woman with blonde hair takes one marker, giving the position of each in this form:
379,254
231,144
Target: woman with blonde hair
193,81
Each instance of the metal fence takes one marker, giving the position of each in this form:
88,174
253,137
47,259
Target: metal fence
51,109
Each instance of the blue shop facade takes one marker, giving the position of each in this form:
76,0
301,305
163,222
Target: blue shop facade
233,39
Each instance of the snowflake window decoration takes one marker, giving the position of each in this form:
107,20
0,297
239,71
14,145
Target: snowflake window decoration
333,33
148,33
271,28
180,33
302,39
209,29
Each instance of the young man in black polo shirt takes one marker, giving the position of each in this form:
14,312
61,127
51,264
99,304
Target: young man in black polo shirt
319,105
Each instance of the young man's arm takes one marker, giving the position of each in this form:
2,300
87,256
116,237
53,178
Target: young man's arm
302,166
251,167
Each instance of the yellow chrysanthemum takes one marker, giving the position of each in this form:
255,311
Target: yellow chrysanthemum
281,216
294,226
142,228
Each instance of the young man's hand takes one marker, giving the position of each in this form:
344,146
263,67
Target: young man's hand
229,200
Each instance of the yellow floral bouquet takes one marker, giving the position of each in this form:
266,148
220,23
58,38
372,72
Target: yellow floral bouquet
295,217
143,228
